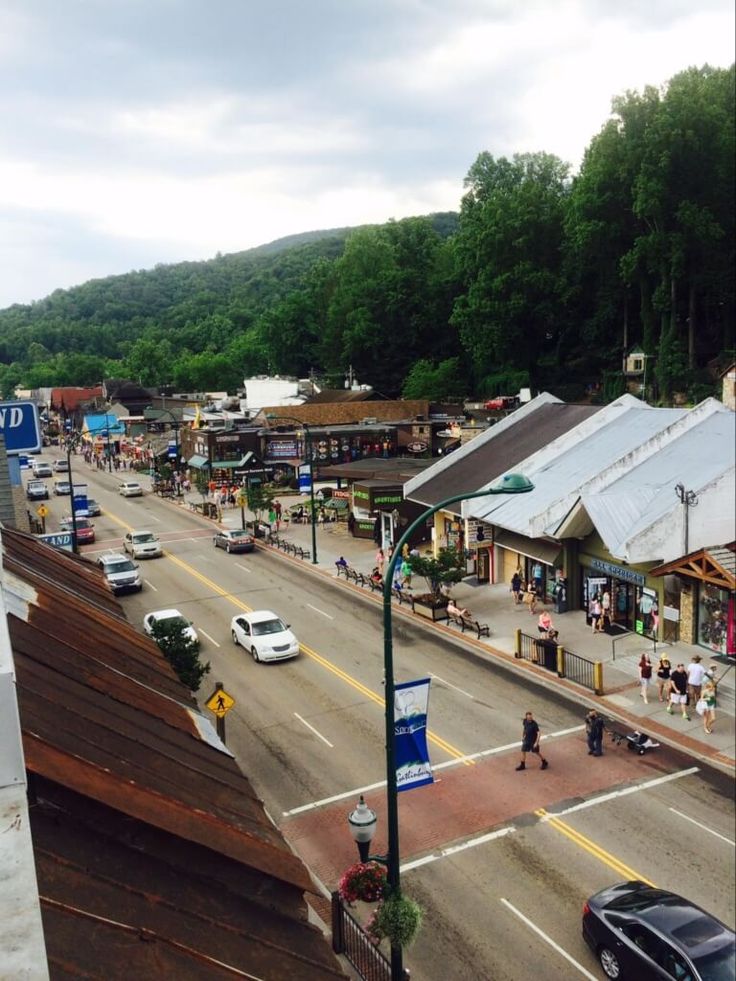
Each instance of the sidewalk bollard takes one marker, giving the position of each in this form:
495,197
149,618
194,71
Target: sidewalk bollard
517,646
560,662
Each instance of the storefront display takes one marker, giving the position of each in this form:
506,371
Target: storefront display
715,618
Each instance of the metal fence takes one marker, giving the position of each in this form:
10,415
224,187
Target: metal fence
565,663
350,939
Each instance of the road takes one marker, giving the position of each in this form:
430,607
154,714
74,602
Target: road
500,861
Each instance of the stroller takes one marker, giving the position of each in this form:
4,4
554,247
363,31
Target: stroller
636,742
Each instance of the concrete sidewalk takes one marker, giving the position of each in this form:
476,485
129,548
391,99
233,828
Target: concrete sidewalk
494,605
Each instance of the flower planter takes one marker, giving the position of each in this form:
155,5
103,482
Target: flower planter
429,607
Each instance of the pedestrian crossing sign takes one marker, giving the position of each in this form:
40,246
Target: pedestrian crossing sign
220,702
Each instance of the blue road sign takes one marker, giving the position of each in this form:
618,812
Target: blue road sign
21,427
59,539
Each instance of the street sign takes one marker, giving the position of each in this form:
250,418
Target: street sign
79,500
220,702
20,426
42,511
58,539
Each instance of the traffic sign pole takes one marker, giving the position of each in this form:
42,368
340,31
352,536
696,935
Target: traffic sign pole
220,703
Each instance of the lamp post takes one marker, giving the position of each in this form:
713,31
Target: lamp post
688,499
308,447
362,823
175,424
508,484
71,441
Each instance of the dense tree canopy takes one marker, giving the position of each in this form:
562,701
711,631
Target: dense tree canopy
542,279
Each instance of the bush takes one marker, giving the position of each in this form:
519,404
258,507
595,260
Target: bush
398,919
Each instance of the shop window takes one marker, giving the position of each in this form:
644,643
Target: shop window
713,618
647,612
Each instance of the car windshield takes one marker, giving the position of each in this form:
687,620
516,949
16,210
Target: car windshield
720,965
119,565
145,536
267,627
634,902
234,534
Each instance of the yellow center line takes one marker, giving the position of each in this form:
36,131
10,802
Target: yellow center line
591,847
328,665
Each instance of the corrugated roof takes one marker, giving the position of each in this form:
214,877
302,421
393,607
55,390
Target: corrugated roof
346,413
155,857
501,449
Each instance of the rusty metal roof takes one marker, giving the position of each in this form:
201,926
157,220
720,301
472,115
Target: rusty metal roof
155,857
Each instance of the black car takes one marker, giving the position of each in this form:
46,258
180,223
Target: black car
639,932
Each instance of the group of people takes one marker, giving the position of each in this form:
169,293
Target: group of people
402,570
599,611
527,593
681,687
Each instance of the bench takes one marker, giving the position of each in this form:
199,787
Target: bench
342,569
376,585
467,623
400,595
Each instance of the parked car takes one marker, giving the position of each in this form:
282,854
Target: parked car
37,491
85,529
42,469
93,508
501,402
265,635
170,617
61,466
142,545
234,540
131,488
62,487
639,932
121,574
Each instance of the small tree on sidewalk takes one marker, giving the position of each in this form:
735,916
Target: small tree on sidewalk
445,570
259,500
181,652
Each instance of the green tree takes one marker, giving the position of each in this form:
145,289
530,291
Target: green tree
445,570
181,652
435,382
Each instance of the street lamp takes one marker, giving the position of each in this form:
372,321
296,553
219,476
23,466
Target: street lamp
688,499
308,446
362,823
510,483
71,441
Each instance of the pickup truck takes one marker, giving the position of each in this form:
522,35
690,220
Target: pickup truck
501,402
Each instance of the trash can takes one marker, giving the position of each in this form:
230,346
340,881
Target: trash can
549,654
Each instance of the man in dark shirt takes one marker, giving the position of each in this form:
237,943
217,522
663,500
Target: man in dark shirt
678,690
530,742
594,730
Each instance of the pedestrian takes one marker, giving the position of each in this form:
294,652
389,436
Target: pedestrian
663,676
645,677
516,587
594,727
678,690
544,624
530,598
709,708
278,509
406,572
530,738
537,576
321,515
596,611
695,675
405,551
605,610
380,561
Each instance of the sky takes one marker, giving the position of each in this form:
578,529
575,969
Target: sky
137,132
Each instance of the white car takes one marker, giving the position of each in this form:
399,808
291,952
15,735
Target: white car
131,488
142,545
41,469
265,635
172,617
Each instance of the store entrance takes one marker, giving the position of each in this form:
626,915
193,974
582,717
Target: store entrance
623,604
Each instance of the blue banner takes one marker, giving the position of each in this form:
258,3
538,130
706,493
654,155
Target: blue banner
411,706
305,479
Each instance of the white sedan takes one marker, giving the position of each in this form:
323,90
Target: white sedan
131,488
170,617
265,635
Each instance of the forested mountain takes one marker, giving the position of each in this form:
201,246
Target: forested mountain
541,279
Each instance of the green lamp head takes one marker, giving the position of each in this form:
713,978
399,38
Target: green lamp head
511,483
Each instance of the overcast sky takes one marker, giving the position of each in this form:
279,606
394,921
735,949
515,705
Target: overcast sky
143,131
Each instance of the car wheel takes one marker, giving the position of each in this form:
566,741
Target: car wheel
254,652
609,963
235,638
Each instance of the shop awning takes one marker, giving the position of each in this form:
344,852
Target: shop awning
197,461
534,548
231,464
712,565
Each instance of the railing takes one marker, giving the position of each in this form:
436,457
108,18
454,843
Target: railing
581,670
565,663
350,939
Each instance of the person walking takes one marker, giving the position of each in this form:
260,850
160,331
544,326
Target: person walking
645,677
678,690
663,676
605,610
406,572
709,697
530,738
594,727
695,675
380,561
530,598
596,613
516,587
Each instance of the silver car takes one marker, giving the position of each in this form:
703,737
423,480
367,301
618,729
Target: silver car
142,545
121,574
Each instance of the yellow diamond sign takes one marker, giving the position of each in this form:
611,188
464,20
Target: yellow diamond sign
220,702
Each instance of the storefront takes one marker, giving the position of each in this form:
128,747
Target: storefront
536,559
631,595
374,500
707,592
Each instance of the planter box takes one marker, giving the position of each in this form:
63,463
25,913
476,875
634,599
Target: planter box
432,611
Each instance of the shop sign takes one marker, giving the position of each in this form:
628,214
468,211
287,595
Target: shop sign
227,439
282,448
618,572
342,494
671,613
417,447
388,499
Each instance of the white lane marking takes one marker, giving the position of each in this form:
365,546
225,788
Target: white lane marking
243,567
313,805
316,610
604,798
703,827
548,940
154,518
454,687
454,849
210,639
150,585
317,734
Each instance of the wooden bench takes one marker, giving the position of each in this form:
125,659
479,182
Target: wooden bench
467,623
342,569
376,585
400,595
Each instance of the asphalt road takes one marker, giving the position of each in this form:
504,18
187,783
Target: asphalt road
500,861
